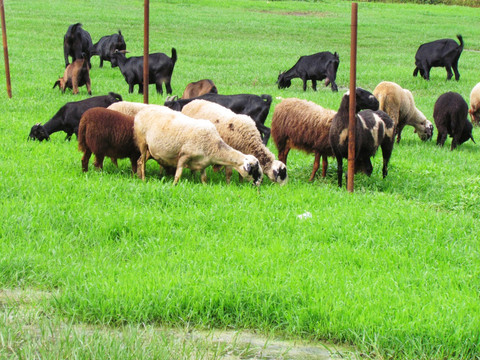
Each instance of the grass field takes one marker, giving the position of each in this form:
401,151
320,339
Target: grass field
392,269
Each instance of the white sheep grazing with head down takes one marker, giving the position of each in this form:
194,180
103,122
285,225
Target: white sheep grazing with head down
474,110
398,103
176,140
128,107
240,132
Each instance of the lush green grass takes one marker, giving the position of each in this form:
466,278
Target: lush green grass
393,268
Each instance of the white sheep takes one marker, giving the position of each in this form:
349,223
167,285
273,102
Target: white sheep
398,103
240,132
176,140
128,107
474,110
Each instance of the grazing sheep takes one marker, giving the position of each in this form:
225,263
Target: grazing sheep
238,131
107,45
474,110
373,129
319,66
105,132
439,53
398,103
77,42
304,125
75,75
257,107
128,107
198,88
160,69
451,118
176,140
68,117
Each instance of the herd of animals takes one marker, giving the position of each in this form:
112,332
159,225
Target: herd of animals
204,128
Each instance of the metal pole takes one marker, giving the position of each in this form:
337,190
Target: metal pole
5,50
352,105
145,49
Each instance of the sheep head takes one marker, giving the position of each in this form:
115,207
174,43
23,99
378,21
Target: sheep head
279,172
252,170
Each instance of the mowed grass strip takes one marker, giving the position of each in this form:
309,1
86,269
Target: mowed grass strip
392,268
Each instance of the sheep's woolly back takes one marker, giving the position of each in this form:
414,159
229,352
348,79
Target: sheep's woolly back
238,131
304,124
475,104
127,107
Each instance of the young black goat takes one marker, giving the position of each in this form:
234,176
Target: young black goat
373,129
107,45
319,66
257,107
160,69
68,117
75,42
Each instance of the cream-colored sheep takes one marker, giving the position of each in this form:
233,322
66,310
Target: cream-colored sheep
240,132
176,140
474,110
128,107
398,103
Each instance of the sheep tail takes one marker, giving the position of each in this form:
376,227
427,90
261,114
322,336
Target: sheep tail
82,146
381,101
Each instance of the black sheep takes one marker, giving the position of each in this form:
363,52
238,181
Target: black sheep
439,53
75,42
373,129
451,118
319,66
107,45
68,117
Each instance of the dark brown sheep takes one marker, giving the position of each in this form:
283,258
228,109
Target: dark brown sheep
198,88
75,75
105,132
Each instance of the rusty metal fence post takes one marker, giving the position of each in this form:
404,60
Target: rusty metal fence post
352,104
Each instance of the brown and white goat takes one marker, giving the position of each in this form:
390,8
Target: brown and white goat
198,88
75,75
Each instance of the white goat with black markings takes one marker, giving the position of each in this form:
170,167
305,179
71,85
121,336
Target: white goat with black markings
373,129
176,140
238,131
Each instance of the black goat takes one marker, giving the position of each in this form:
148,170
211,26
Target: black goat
160,69
439,53
257,107
373,129
68,117
451,118
107,45
75,42
319,66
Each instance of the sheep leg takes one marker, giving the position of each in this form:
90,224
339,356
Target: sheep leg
399,132
86,159
142,160
282,154
339,170
99,161
441,137
324,165
386,153
316,165
133,160
182,160
203,176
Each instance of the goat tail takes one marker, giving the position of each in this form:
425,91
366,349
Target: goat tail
460,38
174,55
267,98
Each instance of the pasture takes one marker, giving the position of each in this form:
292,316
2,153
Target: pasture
392,270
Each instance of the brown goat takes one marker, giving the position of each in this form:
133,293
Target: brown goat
198,88
303,125
105,132
76,74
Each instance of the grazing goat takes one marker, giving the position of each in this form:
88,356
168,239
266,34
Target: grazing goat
451,118
198,88
105,132
176,140
68,117
319,66
372,129
439,53
75,75
398,103
160,69
107,45
474,110
257,107
304,125
238,131
75,42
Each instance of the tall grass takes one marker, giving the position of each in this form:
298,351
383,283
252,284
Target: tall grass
392,268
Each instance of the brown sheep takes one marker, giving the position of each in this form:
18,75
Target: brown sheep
198,88
105,132
76,74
